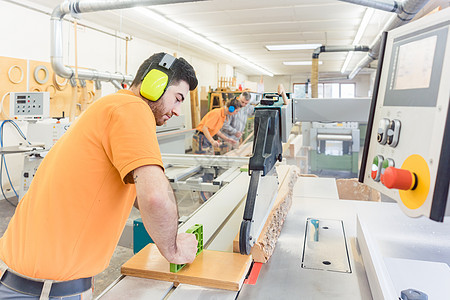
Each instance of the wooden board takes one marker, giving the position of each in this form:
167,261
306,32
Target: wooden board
195,108
214,269
266,242
295,145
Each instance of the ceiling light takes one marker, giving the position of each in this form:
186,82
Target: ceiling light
183,31
299,63
362,27
293,47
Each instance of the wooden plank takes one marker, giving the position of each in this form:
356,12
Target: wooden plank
265,245
295,145
215,269
195,108
242,151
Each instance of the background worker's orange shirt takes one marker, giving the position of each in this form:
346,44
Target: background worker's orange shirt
214,120
70,221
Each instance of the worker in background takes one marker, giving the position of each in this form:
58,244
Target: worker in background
66,227
203,141
234,125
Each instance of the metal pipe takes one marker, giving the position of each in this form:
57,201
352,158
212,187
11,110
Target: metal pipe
70,21
76,7
389,6
321,49
405,13
116,84
315,62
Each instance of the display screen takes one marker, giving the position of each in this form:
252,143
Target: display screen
414,64
21,101
21,97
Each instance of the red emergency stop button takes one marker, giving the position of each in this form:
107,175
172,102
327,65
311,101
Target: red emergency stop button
401,179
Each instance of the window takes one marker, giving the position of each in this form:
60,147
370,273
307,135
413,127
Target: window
331,90
299,90
326,90
348,90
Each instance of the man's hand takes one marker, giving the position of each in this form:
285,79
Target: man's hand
186,249
216,144
238,134
232,141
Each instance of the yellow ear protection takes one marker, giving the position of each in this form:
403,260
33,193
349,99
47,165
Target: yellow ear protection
156,78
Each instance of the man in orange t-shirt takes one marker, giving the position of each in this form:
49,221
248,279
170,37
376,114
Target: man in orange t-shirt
66,227
203,141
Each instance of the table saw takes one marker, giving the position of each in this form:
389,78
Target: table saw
331,248
397,239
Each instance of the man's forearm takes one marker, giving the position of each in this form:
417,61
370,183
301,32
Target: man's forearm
228,129
207,134
223,136
158,208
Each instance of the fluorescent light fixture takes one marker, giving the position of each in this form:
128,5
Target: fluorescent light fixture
299,63
183,31
292,47
362,27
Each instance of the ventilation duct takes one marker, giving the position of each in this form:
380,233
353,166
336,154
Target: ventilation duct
75,7
315,62
405,12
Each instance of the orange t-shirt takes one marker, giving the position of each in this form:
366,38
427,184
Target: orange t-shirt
70,221
214,120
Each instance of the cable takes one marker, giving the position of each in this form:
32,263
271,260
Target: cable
59,85
17,128
1,168
21,74
3,159
1,185
1,104
36,74
35,89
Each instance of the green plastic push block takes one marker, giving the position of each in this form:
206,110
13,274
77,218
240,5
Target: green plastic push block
197,230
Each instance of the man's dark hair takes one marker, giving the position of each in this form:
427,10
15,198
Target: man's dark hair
247,96
181,69
235,102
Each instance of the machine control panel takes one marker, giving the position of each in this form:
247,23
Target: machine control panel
29,105
383,126
376,167
393,133
408,140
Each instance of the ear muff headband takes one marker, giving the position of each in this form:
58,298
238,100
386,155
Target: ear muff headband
156,78
231,108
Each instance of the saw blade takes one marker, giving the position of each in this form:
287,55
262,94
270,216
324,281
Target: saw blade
261,196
